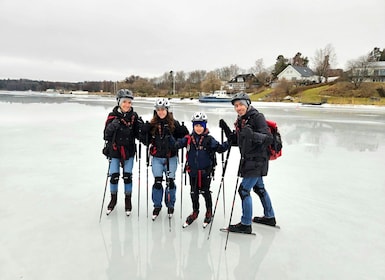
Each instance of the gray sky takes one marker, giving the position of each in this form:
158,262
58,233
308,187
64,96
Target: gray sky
86,40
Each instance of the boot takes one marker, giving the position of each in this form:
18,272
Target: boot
112,204
240,228
155,213
208,218
170,212
128,205
191,218
266,221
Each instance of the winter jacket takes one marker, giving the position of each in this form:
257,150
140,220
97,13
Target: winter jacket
253,137
201,151
120,131
160,139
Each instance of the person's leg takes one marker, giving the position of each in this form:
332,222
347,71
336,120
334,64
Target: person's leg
259,189
157,188
194,194
127,177
247,203
170,193
114,180
206,193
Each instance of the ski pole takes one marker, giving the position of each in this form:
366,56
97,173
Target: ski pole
105,189
181,183
168,193
140,157
147,164
232,207
168,190
224,201
224,167
235,191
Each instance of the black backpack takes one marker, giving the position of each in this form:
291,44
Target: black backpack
275,149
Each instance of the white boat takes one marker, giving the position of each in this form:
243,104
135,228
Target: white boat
216,96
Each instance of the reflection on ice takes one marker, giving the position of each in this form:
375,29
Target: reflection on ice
328,191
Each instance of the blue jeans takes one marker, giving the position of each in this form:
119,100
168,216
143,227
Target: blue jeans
247,203
159,167
115,168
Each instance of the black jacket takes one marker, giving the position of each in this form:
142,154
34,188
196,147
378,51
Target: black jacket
120,131
160,139
253,144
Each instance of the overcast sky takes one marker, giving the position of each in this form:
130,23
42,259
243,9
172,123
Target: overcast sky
84,40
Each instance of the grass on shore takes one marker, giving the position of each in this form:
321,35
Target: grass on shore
339,93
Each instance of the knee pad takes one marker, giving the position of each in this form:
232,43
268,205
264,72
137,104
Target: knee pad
243,193
127,177
114,178
259,191
171,183
158,183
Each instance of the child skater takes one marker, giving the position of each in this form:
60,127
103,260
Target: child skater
200,164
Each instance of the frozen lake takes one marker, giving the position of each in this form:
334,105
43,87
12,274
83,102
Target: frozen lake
327,190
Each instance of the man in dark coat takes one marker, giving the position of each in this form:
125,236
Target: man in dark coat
253,137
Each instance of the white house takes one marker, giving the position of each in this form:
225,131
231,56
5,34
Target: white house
371,71
298,74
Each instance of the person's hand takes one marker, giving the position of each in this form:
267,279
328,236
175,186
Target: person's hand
115,123
246,132
166,130
225,127
184,129
145,128
140,121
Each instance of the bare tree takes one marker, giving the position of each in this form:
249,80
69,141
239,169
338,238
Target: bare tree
323,61
211,82
358,70
258,67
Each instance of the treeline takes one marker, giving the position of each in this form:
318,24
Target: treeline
191,83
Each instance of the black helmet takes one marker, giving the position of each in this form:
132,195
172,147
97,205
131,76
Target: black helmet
124,93
241,96
199,117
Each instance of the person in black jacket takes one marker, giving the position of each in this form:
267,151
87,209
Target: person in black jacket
253,137
121,128
160,134
200,164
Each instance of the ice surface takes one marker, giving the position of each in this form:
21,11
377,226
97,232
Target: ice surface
328,192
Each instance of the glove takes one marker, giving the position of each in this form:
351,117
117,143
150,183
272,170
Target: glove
115,124
166,130
225,127
140,121
184,130
247,133
145,128
106,149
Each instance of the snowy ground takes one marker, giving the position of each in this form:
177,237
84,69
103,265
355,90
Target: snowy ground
328,192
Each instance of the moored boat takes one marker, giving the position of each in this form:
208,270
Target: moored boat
216,96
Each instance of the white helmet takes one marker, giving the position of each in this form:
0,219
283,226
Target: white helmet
162,103
199,117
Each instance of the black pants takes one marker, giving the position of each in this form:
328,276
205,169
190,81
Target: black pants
200,184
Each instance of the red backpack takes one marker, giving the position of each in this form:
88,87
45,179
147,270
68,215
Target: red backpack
275,149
